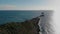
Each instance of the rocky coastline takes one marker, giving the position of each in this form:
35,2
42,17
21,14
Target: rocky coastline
26,27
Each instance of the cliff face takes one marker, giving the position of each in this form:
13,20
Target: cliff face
26,27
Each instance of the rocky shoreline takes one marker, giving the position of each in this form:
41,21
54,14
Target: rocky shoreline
26,27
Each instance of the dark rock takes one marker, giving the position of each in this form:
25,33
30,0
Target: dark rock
26,27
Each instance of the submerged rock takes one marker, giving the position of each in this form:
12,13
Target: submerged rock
26,27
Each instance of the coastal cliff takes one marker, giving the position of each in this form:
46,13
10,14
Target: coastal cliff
26,27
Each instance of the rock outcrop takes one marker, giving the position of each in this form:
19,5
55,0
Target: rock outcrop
26,27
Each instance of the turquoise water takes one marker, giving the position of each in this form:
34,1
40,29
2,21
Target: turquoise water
17,15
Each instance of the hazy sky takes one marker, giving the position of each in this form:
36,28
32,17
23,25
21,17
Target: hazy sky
24,4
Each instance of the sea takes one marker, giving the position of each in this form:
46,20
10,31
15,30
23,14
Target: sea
7,16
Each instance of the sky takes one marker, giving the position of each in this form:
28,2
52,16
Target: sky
24,4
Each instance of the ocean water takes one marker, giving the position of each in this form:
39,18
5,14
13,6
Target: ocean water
7,16
17,15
